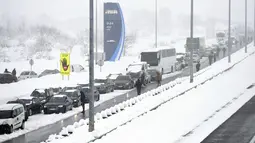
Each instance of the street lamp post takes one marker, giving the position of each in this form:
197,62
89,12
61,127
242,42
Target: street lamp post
229,33
96,32
245,26
191,45
156,23
91,66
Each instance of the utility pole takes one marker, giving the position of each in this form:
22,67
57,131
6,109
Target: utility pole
192,42
229,32
156,23
96,32
91,66
254,26
245,26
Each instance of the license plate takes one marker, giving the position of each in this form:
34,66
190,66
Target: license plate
52,108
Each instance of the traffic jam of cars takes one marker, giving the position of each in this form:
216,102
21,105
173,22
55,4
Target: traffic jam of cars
63,99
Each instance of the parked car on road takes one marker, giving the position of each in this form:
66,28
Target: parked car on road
72,87
12,117
85,89
75,95
27,74
7,78
33,105
58,104
104,85
48,72
124,82
17,101
42,94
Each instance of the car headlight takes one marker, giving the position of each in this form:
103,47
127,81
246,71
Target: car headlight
45,106
5,123
60,106
75,100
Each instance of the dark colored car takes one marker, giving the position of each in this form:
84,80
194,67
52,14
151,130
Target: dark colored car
104,85
43,95
48,72
58,104
124,82
7,78
75,95
71,87
33,105
136,75
85,89
153,74
17,101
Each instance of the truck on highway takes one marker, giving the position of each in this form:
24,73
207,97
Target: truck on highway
162,58
198,44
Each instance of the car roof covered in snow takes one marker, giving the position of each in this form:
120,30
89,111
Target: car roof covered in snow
59,95
10,106
71,90
40,90
26,97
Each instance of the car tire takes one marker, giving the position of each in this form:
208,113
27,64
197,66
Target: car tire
71,107
64,109
22,127
30,112
112,89
10,130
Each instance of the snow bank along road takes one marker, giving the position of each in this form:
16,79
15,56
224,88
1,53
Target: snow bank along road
173,121
189,117
42,133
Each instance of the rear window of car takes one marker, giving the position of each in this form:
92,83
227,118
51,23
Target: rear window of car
25,73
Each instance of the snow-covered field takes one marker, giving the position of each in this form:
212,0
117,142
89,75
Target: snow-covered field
189,112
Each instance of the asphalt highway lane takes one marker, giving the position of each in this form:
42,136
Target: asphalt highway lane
239,128
43,133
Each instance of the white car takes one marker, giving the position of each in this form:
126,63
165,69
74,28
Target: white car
27,74
12,116
78,68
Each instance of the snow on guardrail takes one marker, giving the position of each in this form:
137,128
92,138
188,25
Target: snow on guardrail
123,113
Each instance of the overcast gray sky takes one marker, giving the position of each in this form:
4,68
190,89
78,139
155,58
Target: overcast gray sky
66,9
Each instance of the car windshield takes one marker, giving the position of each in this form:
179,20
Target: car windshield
135,75
27,101
38,94
70,94
5,114
57,100
25,73
100,80
123,78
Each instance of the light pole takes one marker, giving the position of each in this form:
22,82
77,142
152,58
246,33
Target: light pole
245,26
96,31
191,45
229,33
156,23
91,66
254,26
